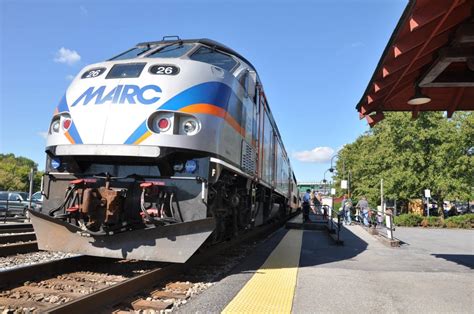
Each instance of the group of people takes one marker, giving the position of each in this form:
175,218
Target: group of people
311,201
362,210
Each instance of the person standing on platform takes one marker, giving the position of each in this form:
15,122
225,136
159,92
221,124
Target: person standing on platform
347,207
363,206
341,209
319,198
306,201
312,197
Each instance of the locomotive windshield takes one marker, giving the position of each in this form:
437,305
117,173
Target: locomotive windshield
132,53
171,51
211,56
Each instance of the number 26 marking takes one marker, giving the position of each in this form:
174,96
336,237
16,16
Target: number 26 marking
164,70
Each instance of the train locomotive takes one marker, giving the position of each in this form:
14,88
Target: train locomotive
160,149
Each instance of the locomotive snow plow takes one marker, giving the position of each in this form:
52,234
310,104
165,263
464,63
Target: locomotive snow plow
174,243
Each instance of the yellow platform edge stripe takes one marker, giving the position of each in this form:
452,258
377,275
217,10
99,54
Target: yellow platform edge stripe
272,287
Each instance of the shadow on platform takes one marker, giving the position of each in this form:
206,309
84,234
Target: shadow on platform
317,248
461,259
320,249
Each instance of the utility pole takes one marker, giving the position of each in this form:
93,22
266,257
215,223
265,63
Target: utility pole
381,197
349,185
32,172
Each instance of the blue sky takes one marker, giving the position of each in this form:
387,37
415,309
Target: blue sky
315,59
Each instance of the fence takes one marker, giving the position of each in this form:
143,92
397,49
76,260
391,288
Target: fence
334,221
375,219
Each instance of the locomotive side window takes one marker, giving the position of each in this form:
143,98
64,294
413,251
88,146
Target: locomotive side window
243,78
172,51
132,53
211,56
248,83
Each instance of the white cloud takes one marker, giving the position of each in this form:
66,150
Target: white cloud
84,11
316,155
67,56
43,134
357,44
69,77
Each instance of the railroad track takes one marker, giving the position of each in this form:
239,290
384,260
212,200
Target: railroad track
39,287
16,228
18,248
84,290
17,239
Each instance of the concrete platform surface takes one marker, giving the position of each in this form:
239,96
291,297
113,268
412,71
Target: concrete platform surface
366,276
430,273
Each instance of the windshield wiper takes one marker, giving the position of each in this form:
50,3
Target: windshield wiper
180,43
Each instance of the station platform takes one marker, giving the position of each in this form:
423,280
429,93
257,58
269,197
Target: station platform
304,271
316,222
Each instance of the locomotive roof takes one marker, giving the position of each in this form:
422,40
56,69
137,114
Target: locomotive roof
205,41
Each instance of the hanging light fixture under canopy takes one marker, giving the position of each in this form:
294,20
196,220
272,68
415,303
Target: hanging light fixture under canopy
419,98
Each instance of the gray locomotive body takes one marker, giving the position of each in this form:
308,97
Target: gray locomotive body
152,151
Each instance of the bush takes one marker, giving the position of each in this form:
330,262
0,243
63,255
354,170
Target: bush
433,222
462,221
408,220
413,220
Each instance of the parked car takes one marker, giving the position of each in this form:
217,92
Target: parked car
462,208
37,198
14,203
433,206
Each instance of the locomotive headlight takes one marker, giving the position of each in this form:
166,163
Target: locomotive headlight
67,124
61,122
55,163
191,166
161,122
190,126
178,167
55,126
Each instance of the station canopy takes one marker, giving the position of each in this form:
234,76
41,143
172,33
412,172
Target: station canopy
428,63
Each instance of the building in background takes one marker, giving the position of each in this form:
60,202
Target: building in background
323,188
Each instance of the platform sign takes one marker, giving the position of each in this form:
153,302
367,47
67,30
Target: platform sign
388,225
343,184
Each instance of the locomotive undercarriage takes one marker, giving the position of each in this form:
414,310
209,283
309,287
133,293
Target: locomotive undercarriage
100,209
238,204
165,218
154,219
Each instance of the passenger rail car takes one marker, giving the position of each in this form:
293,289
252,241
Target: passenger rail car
156,150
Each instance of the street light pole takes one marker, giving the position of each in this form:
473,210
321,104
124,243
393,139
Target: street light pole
325,182
349,185
332,169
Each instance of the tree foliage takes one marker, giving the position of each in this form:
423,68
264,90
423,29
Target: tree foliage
412,155
15,171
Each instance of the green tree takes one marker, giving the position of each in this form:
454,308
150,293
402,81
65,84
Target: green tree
412,155
14,173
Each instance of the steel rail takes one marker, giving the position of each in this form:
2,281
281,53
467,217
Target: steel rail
16,228
21,237
18,248
18,275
